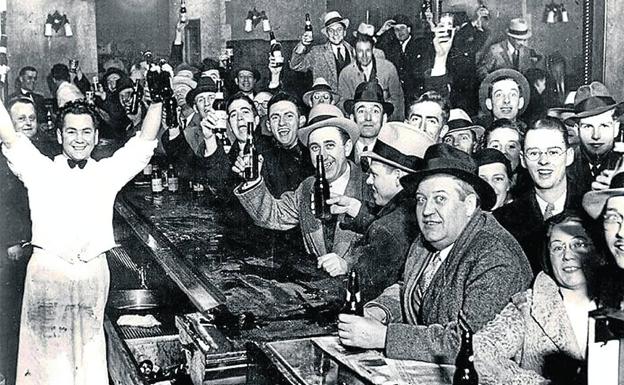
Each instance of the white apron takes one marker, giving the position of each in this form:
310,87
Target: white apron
61,331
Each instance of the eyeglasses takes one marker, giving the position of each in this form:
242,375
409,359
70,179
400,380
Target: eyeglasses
264,104
510,147
578,245
612,219
534,154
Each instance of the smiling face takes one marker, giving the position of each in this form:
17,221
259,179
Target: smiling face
328,142
441,212
548,171
613,229
125,98
240,112
78,136
24,118
384,181
369,117
496,176
505,100
507,141
364,52
402,32
569,248
245,80
461,139
428,117
284,122
597,133
28,80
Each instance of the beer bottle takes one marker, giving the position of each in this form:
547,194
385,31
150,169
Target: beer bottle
172,177
136,98
147,173
157,183
276,50
465,373
219,108
153,83
308,24
50,120
425,8
321,191
183,16
170,105
250,155
353,302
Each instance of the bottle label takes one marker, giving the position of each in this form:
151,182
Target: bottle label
279,59
157,185
173,184
221,120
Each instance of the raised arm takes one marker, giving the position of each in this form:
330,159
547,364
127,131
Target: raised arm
152,121
7,131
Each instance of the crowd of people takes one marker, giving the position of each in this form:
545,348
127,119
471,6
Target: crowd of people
463,178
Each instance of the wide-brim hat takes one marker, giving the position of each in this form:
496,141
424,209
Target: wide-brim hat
505,73
519,29
400,145
205,84
459,120
333,17
442,158
402,19
320,84
594,201
590,100
490,156
328,115
366,30
369,91
183,78
124,83
113,70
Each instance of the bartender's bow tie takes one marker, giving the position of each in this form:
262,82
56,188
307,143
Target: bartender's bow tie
80,163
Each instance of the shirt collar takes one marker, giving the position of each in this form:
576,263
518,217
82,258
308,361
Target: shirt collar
404,44
444,253
559,203
339,186
510,48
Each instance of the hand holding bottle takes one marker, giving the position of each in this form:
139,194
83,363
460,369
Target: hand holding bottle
241,163
333,264
361,332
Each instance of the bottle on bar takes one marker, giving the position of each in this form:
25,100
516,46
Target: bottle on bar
157,183
172,178
147,173
353,302
183,16
321,191
465,373
276,50
135,100
250,155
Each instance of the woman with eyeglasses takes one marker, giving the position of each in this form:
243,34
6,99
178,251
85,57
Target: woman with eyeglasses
541,335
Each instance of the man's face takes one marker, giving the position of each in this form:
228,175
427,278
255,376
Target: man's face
78,136
461,139
203,103
24,118
569,247
496,176
284,122
336,33
262,102
384,181
441,214
327,141
125,98
517,43
597,133
321,97
402,32
179,92
369,117
548,171
245,80
507,141
240,113
427,117
613,228
505,101
28,80
364,52
213,74
111,81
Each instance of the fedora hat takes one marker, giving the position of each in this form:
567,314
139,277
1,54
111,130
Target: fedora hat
490,156
519,29
399,145
113,70
320,84
504,73
255,72
184,77
333,17
591,100
205,84
594,201
459,120
368,92
442,158
328,115
365,29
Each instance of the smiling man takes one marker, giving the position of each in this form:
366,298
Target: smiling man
546,154
429,113
503,94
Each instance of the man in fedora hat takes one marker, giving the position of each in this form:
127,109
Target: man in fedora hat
463,260
410,49
503,94
321,92
546,155
595,115
328,134
366,68
325,60
369,111
512,52
462,133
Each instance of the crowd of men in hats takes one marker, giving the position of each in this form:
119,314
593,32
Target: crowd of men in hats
446,193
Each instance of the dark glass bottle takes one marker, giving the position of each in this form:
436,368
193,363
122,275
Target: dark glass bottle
276,50
465,372
157,183
183,16
50,120
172,179
321,191
170,105
219,108
153,83
136,98
308,23
425,7
353,302
250,155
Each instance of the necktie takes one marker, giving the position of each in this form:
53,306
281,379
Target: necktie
341,57
80,163
549,211
516,59
427,277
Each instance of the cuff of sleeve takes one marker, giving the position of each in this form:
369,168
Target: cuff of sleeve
246,187
388,317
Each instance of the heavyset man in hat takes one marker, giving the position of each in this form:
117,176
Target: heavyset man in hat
463,260
462,133
503,94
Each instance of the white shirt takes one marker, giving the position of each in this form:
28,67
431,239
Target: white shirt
335,48
339,186
404,44
67,92
510,50
444,253
72,209
559,204
359,148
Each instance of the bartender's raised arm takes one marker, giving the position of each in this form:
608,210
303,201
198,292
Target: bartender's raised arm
7,131
152,121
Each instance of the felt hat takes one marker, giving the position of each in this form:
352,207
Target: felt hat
205,84
492,155
519,29
368,92
320,84
591,100
365,29
459,120
328,115
333,17
504,73
124,83
402,19
184,77
594,201
113,70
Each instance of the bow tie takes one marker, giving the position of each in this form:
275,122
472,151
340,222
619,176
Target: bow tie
80,163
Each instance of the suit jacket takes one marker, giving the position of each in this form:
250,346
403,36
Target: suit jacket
497,57
485,267
321,60
387,77
294,208
524,219
580,171
530,341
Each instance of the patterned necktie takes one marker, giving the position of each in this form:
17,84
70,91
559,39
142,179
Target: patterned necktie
549,211
426,277
80,163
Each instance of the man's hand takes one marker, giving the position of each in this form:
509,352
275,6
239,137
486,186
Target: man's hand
603,181
180,25
361,332
429,19
15,252
341,204
208,124
239,166
388,24
333,264
274,69
306,39
442,41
